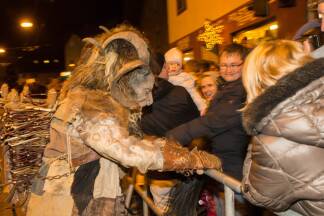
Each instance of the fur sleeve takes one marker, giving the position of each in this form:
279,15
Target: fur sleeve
113,142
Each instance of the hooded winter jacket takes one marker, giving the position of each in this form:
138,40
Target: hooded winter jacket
284,168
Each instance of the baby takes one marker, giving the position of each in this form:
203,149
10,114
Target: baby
172,71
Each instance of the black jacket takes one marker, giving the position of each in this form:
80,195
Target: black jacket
172,107
222,125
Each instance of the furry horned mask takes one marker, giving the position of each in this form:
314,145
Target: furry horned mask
110,61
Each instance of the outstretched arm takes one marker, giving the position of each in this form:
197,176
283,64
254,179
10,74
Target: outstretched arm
112,141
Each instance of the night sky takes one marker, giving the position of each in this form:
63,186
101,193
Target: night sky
54,22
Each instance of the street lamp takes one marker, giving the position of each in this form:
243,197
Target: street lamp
26,24
274,27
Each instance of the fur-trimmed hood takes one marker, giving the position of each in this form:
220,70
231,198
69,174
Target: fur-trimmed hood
286,87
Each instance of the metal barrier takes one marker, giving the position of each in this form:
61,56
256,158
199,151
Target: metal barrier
147,201
231,186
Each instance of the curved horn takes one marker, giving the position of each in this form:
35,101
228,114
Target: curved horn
94,42
105,29
135,40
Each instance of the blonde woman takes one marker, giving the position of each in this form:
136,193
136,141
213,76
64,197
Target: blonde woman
207,85
285,114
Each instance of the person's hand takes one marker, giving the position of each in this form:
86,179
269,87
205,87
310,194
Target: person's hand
191,172
164,73
203,112
200,172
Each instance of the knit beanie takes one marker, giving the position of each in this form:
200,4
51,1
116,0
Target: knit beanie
173,55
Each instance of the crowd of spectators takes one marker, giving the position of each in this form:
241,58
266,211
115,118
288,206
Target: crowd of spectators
279,91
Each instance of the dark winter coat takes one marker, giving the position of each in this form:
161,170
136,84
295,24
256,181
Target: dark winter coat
172,107
222,126
284,167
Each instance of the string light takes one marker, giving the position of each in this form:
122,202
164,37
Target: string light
212,35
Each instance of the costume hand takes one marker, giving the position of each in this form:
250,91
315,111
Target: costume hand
179,158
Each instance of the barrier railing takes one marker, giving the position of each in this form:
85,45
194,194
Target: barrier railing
143,193
231,186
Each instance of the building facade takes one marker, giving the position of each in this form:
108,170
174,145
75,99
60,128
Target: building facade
193,23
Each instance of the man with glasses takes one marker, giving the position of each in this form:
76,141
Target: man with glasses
222,122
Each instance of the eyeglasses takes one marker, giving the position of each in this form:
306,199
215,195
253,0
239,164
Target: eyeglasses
231,66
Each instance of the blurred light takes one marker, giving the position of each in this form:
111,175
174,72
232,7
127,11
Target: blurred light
274,27
30,80
187,58
4,64
26,24
65,74
20,57
35,61
56,61
30,48
46,61
71,65
2,50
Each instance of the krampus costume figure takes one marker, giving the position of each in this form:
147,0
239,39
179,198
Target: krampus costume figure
94,132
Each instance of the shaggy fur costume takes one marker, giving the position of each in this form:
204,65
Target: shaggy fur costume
96,121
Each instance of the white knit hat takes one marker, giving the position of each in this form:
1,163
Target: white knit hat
173,55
